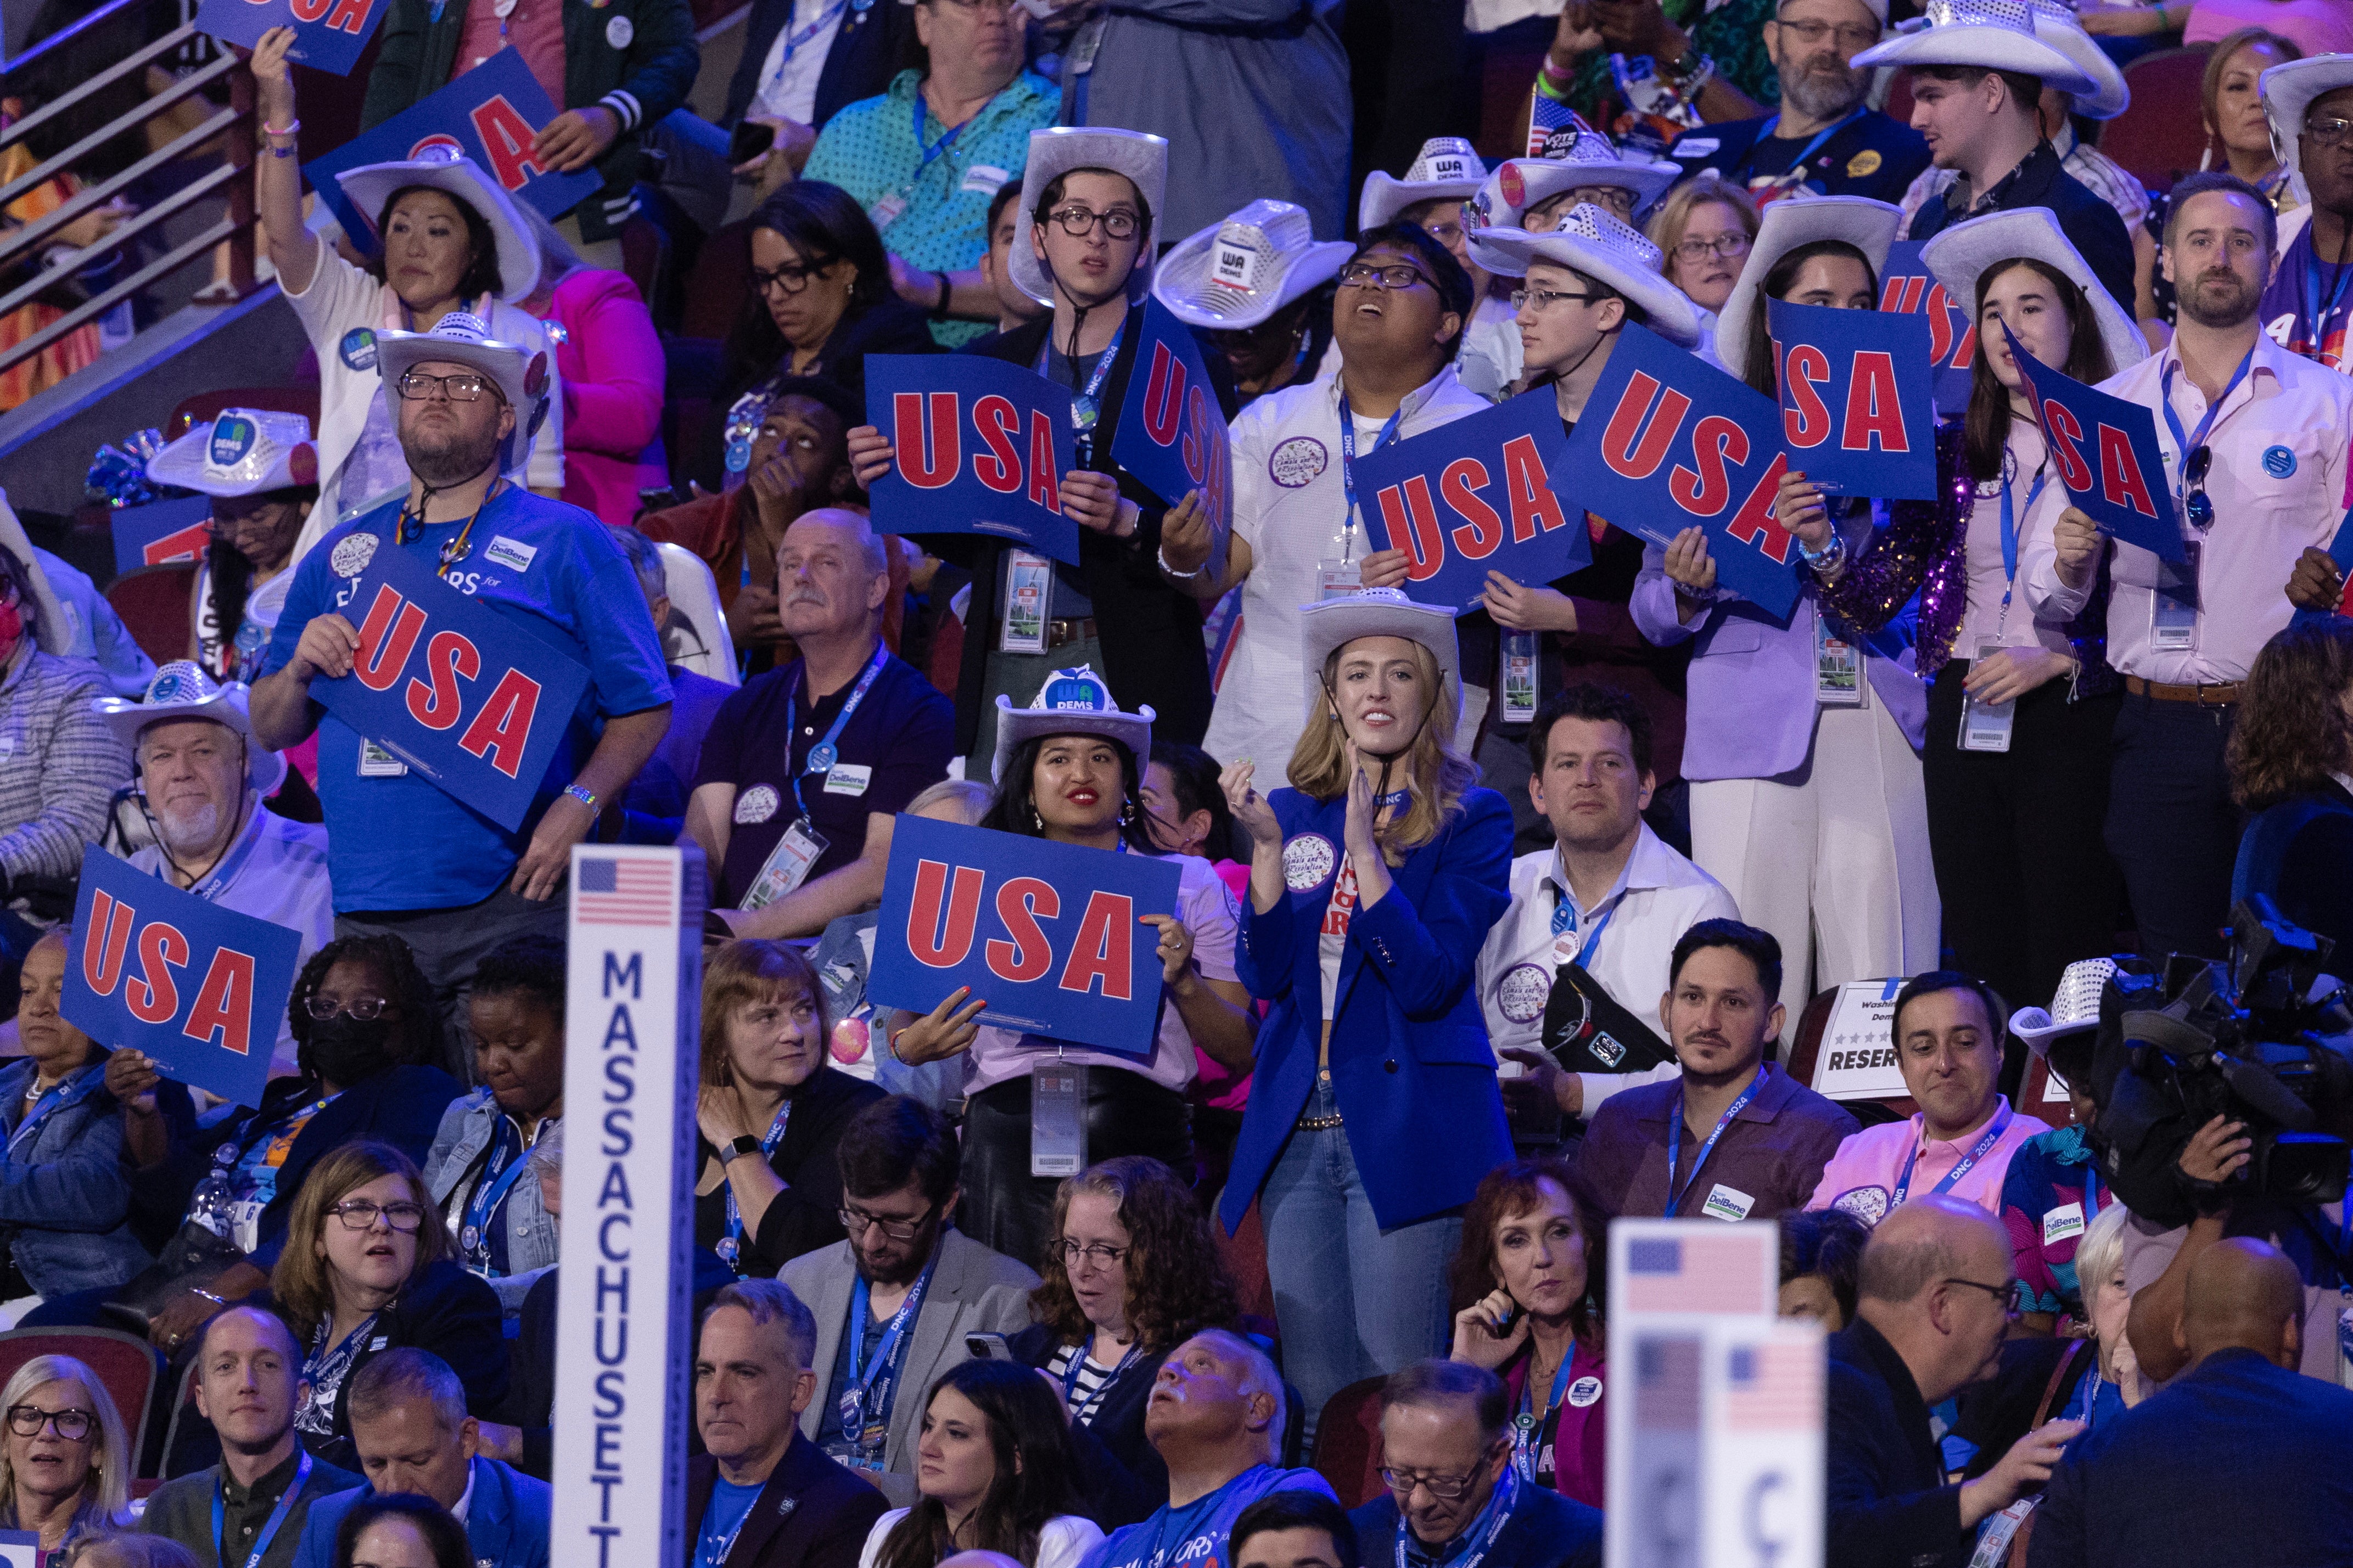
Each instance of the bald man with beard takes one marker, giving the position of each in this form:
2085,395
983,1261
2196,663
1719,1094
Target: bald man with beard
2242,1459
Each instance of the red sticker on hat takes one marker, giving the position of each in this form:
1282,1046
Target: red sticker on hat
1508,181
302,464
536,376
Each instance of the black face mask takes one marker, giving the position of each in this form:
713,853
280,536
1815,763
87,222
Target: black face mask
346,1049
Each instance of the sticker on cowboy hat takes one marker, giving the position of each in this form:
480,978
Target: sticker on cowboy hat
1233,266
619,32
755,804
352,555
233,440
1441,166
1307,862
357,350
535,377
1509,182
1295,463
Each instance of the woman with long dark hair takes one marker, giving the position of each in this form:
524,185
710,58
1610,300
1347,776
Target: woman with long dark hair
995,1470
1069,770
1802,739
1529,1289
262,474
2017,755
2289,755
1373,878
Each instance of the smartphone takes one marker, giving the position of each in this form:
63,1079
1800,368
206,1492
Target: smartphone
987,1347
751,140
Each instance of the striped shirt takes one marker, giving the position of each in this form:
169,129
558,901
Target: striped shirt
1094,1378
59,766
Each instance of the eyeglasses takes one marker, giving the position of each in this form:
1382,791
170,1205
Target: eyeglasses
2195,501
1078,222
1446,234
1851,40
2330,133
1724,247
993,7
1099,1255
358,1214
2002,1294
792,277
857,1221
73,1426
1445,1488
464,387
366,1009
1396,275
1616,198
1542,298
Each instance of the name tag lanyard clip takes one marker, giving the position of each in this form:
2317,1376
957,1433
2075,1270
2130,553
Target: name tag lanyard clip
1342,575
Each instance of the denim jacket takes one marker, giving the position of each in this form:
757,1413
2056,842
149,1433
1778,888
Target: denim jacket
460,1150
65,1190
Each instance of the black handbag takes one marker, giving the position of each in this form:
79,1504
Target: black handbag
1586,1031
194,1258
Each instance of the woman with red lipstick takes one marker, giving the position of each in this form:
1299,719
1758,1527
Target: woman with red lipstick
1069,769
997,1473
1530,1284
65,1464
1374,879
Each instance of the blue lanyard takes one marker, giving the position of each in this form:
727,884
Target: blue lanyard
794,40
2009,532
1086,405
1952,1177
1527,1430
825,753
1675,1194
735,1248
2321,309
855,1414
1506,1498
1348,454
276,1515
1797,164
1078,1362
64,1093
1592,939
490,1191
926,156
2091,1190
2185,445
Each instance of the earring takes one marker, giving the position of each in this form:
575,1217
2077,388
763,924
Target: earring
1036,821
1126,813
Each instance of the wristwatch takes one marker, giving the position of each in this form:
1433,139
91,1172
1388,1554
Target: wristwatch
746,1144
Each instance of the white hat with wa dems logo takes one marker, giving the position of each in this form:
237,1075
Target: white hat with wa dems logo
1239,271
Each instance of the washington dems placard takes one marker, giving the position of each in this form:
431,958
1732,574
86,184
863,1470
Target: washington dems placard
196,986
978,445
1050,936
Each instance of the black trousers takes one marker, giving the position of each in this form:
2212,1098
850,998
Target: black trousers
2171,824
2027,884
1010,1211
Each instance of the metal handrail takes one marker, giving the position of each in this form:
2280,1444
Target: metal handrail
138,61
187,87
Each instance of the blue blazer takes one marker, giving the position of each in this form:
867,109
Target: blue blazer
2235,1461
1409,1051
1546,1531
507,1522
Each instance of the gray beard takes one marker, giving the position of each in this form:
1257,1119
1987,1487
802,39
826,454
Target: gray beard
192,830
1814,95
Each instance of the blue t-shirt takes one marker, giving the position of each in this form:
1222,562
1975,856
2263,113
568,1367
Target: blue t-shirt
397,841
1197,1534
721,1521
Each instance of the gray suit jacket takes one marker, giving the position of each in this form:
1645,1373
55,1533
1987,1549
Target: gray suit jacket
973,1291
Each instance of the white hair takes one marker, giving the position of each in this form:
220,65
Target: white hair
1259,1376
2099,1250
106,1496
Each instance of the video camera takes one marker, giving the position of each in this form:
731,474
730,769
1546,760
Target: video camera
2265,1038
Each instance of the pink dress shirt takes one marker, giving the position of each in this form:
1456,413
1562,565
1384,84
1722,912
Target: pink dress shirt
1861,1177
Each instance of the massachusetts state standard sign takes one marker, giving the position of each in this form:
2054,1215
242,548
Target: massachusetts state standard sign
632,1011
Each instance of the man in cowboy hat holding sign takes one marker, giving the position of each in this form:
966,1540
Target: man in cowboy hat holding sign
409,858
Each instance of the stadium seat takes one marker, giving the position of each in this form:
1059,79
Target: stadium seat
153,605
126,1363
1349,1442
1244,1254
2161,136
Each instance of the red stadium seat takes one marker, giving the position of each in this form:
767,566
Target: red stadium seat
1349,1442
125,1364
1244,1254
302,400
153,605
2161,136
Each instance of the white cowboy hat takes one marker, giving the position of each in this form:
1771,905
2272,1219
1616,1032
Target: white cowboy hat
1071,703
1446,166
181,689
1993,34
1958,257
1589,159
1239,271
242,452
2074,1008
371,185
1795,220
462,339
55,635
2056,21
2288,92
1055,152
1605,248
1335,623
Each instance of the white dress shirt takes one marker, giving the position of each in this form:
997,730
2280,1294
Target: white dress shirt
1658,897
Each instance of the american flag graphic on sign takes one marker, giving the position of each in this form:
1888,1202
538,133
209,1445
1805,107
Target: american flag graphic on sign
1773,1388
1666,1385
618,890
1696,1274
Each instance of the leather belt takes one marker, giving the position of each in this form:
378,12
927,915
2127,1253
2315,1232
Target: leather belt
2204,696
1317,1123
1058,633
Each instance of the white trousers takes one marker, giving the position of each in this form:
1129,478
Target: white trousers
1832,859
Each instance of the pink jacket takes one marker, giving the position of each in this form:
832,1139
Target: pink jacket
610,363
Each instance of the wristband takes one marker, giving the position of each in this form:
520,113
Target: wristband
1184,576
1552,81
281,130
207,1295
1826,559
947,292
588,796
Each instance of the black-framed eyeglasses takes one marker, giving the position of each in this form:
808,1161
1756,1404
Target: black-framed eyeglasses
2195,500
463,387
359,1213
1616,198
366,1009
2329,132
1543,298
1445,1488
857,1221
1851,40
1393,275
73,1424
2003,1295
1100,1254
1078,222
993,6
1724,247
792,277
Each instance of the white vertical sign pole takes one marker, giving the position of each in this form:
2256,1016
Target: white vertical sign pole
1761,1401
632,1039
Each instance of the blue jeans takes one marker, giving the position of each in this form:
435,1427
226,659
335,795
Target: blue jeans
1353,1300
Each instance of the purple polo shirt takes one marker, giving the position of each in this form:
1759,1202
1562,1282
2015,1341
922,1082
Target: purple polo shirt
1766,1163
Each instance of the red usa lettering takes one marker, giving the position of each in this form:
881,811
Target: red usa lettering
498,729
1413,521
223,1005
2065,436
508,137
2121,481
944,925
927,444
